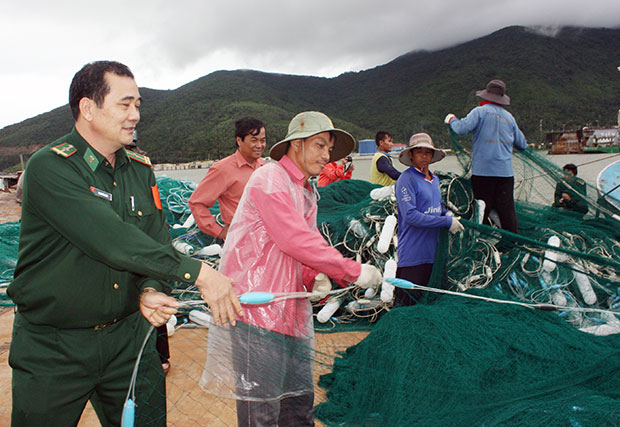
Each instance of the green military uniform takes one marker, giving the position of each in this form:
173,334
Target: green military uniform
572,187
92,237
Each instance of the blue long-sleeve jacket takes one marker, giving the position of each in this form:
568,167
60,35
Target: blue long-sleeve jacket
385,166
495,132
420,216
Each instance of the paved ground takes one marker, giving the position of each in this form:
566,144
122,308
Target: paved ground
10,211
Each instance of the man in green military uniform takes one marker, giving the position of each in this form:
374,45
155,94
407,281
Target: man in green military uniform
93,250
570,192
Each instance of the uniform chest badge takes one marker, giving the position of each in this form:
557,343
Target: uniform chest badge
100,193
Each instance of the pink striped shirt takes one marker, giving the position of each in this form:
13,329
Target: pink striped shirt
225,182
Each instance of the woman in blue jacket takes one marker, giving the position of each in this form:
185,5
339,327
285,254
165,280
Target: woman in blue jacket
421,214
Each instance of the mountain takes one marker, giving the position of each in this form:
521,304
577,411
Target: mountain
568,79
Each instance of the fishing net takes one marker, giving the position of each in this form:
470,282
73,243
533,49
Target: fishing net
462,362
175,194
452,360
559,256
187,403
9,241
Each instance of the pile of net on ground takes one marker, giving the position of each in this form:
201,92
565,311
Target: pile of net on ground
175,194
465,362
451,360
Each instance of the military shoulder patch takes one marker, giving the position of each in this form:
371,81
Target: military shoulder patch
65,149
138,157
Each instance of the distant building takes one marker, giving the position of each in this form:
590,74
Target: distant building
565,142
367,147
584,140
600,139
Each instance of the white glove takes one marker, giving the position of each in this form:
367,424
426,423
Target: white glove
370,276
449,213
322,286
456,225
448,118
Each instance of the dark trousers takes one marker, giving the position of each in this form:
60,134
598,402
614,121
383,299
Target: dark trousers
56,371
418,274
291,411
162,345
273,362
497,193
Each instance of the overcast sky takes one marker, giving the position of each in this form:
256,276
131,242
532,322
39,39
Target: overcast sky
170,43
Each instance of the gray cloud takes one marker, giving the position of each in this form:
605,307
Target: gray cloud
168,44
302,35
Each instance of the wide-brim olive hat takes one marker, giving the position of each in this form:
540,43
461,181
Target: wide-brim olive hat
309,123
420,140
495,92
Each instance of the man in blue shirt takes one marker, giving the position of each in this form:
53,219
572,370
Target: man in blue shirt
421,214
495,133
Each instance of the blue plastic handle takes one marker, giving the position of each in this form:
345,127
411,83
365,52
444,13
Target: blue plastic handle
256,297
129,414
402,283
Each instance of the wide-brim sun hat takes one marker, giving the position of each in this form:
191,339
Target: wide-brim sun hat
309,123
420,140
495,92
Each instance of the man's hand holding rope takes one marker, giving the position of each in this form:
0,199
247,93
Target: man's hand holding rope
157,307
216,290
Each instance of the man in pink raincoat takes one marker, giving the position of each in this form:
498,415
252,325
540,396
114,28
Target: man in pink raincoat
274,246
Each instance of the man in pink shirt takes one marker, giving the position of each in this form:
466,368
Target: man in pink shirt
274,244
227,178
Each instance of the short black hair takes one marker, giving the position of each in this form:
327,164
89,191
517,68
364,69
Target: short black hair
380,136
247,126
90,83
570,167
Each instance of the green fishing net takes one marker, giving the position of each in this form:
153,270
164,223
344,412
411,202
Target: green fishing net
175,194
466,363
9,240
450,360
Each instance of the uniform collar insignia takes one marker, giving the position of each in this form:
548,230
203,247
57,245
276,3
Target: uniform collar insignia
91,159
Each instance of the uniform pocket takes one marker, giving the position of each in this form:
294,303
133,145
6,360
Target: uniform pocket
140,206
